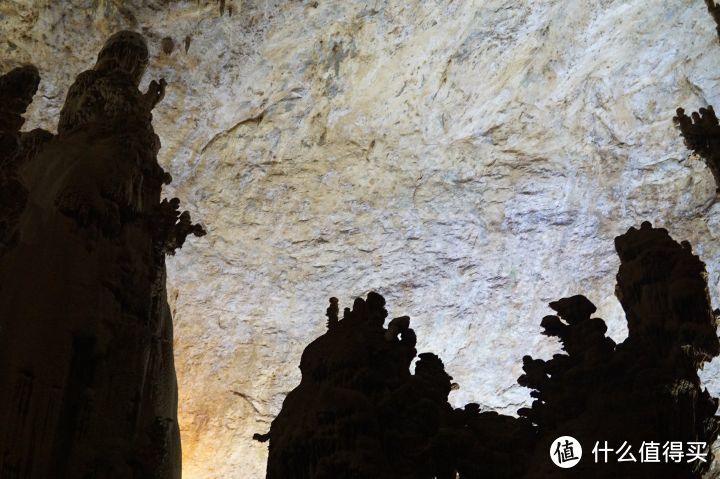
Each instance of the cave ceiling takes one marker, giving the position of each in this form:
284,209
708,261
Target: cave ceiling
469,160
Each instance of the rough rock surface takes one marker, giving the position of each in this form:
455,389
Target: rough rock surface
469,160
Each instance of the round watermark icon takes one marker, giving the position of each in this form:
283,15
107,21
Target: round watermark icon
565,451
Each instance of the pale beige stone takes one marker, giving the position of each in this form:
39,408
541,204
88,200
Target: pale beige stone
470,160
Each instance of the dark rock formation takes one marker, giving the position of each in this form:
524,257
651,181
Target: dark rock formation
16,91
359,412
701,133
86,362
168,45
645,389
714,10
700,130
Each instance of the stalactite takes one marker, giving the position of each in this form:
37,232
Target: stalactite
700,130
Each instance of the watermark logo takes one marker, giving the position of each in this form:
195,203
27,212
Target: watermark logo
652,451
565,451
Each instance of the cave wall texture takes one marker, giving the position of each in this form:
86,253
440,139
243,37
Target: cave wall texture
469,160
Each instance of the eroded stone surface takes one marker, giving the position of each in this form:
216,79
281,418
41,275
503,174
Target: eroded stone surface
471,161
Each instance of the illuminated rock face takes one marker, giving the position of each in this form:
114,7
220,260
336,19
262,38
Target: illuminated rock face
471,161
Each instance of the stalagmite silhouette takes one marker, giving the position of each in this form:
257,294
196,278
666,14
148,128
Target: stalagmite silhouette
359,412
643,390
86,364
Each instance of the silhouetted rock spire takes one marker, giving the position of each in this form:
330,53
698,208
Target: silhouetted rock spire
701,133
645,389
700,130
662,287
332,313
17,88
714,10
86,362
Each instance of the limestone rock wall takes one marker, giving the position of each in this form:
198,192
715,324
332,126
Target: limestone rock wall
470,160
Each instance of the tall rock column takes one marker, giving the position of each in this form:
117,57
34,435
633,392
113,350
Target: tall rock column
643,392
86,363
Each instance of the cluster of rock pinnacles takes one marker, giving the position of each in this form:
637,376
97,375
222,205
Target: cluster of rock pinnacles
87,378
360,413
